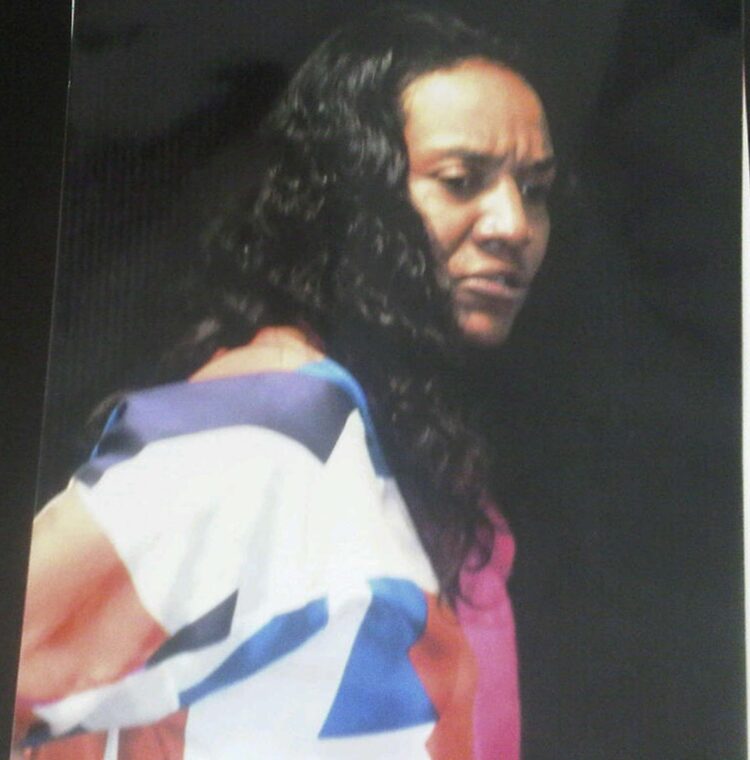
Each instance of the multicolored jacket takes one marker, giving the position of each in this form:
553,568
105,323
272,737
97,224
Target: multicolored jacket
234,574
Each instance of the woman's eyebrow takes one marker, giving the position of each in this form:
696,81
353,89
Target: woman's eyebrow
470,157
480,159
543,166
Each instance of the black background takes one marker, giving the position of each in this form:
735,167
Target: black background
615,407
35,40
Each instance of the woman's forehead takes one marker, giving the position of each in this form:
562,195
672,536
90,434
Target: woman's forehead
475,107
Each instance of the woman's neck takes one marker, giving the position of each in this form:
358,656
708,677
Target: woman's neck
272,349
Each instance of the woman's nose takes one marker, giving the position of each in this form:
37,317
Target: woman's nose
502,216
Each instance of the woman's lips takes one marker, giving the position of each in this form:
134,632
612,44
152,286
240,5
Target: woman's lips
489,291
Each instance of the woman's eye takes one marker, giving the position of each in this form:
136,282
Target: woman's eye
536,192
462,185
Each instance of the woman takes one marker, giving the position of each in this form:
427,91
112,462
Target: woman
292,554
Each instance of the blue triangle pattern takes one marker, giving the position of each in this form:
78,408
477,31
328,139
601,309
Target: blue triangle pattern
380,690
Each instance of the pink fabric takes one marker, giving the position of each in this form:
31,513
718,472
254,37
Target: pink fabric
487,621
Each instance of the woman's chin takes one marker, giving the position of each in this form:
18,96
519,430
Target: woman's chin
485,330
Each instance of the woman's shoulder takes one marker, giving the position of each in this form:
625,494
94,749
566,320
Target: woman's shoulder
305,410
270,391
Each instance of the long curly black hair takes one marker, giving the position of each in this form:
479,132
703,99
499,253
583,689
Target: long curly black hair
332,242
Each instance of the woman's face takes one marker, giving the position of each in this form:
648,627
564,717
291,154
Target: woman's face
481,165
